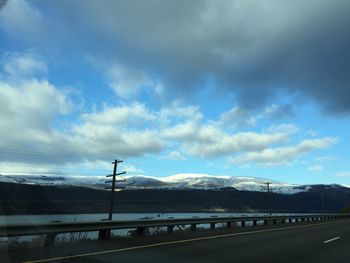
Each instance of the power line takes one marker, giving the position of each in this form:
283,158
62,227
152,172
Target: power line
35,153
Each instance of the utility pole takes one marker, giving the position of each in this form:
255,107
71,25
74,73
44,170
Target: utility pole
322,200
106,234
114,181
269,197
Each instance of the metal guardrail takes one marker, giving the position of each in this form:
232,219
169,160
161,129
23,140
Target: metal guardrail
54,228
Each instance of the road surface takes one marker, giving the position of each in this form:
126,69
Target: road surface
312,242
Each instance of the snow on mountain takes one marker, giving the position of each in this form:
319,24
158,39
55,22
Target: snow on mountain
240,183
178,181
142,181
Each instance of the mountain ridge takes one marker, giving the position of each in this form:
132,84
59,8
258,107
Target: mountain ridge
178,181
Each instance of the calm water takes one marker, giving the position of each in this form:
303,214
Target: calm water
28,219
24,219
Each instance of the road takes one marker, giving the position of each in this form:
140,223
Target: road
313,242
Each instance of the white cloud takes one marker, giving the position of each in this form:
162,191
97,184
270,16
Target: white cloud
19,19
135,113
236,117
127,82
176,155
325,158
32,108
28,109
283,155
129,168
243,45
23,65
104,141
132,130
15,168
343,174
277,111
286,128
213,143
177,113
311,133
315,168
128,130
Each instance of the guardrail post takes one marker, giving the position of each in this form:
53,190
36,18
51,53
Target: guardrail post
193,227
103,234
50,239
141,227
139,231
170,229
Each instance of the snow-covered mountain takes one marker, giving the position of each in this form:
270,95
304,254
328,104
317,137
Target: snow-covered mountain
178,181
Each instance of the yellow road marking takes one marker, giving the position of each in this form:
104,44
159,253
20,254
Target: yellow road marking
175,242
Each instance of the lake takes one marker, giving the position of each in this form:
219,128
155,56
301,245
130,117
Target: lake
29,219
24,219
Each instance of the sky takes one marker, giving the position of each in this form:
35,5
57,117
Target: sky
236,87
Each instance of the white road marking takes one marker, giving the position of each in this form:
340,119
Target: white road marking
175,242
330,240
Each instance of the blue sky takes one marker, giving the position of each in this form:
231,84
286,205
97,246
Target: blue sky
241,88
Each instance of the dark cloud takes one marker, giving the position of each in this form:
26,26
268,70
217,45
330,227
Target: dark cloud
256,49
2,3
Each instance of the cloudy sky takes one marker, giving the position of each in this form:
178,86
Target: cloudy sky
238,87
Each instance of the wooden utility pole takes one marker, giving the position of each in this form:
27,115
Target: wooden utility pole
322,200
106,234
114,181
269,197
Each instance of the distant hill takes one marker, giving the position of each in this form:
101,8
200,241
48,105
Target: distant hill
179,181
19,198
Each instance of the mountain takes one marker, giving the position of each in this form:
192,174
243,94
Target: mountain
179,181
18,198
41,194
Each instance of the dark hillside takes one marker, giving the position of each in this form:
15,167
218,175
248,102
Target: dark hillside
34,199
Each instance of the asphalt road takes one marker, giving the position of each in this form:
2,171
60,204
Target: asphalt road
314,242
